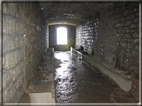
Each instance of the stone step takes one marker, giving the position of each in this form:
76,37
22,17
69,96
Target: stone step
42,98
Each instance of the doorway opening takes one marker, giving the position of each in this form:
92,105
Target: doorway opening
61,36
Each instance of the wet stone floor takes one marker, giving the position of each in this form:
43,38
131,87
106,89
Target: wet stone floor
77,82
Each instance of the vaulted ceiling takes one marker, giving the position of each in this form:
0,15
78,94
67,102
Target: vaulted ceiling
72,13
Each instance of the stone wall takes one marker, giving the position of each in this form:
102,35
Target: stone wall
85,34
114,36
0,66
23,47
71,37
47,36
127,47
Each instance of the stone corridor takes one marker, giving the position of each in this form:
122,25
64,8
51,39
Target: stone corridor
99,61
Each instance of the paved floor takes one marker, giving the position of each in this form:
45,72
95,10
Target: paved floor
77,82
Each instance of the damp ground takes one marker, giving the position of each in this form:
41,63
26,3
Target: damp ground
78,82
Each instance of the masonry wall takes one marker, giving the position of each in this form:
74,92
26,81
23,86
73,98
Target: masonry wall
113,34
47,36
0,82
23,46
53,40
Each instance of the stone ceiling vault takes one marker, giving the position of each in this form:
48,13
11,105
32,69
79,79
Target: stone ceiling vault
72,13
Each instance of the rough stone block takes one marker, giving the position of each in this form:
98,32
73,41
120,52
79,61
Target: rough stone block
10,60
13,9
6,78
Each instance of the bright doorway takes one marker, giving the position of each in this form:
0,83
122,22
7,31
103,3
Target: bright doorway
62,36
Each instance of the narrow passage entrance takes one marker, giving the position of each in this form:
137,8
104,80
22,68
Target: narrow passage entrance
61,36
